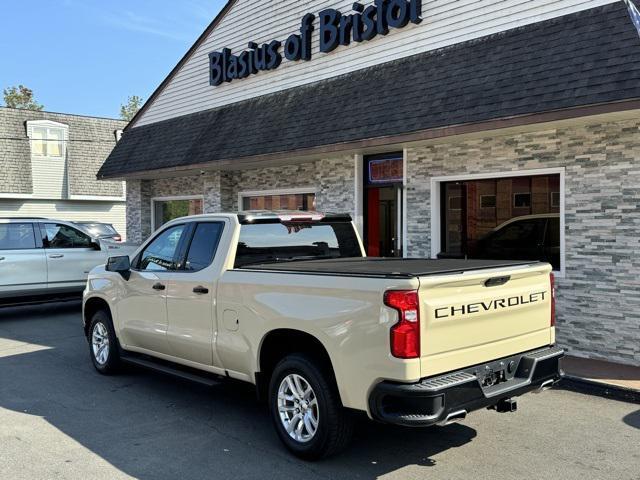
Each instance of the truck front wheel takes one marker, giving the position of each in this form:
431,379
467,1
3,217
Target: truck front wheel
103,345
306,409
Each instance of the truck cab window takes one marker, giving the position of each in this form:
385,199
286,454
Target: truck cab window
287,241
160,254
203,246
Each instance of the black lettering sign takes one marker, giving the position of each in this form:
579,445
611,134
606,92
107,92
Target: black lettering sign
335,29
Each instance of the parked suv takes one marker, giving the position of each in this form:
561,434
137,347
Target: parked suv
42,258
529,237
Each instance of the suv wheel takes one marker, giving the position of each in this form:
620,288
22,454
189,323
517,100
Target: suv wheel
306,409
103,345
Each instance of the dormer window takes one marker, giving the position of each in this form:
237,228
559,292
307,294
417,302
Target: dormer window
47,138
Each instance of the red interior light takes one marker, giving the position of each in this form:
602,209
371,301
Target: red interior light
405,335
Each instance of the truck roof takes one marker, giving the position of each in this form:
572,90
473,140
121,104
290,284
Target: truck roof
387,267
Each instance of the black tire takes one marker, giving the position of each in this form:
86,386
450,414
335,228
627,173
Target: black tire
335,423
101,323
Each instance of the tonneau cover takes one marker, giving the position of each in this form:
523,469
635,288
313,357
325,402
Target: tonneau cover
386,267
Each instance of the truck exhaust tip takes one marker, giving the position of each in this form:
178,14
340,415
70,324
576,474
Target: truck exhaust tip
453,417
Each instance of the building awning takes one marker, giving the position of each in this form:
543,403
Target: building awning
582,59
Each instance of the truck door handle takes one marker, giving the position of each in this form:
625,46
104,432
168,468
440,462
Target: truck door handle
56,255
158,286
200,289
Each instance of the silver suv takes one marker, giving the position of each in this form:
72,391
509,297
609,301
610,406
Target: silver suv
42,258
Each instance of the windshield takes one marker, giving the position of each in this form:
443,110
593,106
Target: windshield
283,242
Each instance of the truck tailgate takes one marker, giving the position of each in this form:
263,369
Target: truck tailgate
471,318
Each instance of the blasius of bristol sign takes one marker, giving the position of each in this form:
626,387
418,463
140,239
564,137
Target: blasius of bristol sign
335,29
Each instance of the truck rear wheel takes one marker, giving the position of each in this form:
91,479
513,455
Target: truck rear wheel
103,345
306,409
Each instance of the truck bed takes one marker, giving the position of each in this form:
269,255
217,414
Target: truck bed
386,267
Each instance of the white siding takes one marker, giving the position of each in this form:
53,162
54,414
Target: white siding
107,212
445,23
49,177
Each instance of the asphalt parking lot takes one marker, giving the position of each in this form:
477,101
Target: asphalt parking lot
60,419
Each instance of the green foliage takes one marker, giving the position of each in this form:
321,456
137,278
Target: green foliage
21,97
128,111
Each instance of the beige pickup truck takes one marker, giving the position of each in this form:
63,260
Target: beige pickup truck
289,302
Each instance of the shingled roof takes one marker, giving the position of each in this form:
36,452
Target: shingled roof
586,58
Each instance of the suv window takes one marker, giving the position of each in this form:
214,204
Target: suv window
16,236
160,254
63,236
203,246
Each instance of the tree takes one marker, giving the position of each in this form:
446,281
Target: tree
128,111
21,97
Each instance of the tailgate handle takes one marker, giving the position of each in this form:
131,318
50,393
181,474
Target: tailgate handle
495,281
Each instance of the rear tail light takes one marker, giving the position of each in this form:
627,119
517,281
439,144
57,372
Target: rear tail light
405,335
553,299
117,238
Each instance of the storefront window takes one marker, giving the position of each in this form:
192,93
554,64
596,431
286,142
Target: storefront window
167,209
291,201
503,218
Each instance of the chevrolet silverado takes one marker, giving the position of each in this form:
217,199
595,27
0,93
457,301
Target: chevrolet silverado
288,301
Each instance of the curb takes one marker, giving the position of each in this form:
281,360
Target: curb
591,387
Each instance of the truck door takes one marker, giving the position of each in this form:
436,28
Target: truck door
142,310
191,293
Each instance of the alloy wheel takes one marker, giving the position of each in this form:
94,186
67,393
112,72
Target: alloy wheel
298,408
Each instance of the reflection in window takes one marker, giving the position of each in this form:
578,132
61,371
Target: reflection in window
15,236
167,210
63,236
203,246
160,253
263,243
47,142
502,218
299,201
521,200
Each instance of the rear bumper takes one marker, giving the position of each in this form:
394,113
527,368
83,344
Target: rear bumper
434,399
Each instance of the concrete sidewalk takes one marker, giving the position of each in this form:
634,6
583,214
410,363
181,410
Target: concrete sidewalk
602,377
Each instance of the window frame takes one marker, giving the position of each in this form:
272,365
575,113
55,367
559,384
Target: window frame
436,204
48,125
281,191
169,199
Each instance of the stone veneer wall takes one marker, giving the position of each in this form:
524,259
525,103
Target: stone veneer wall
599,297
332,179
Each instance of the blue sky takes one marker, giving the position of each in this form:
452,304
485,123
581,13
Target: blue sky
87,56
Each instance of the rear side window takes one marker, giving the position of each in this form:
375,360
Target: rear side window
16,236
63,236
203,246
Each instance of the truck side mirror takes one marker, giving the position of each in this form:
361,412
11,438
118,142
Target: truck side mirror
120,264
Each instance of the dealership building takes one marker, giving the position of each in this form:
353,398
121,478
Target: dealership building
452,129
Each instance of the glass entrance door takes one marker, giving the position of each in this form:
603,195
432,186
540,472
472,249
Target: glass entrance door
383,205
381,219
